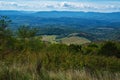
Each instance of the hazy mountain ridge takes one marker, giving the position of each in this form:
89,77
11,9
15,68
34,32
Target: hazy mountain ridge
87,22
84,19
57,14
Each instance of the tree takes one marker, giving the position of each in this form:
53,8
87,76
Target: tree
4,22
27,40
109,49
75,48
26,32
5,33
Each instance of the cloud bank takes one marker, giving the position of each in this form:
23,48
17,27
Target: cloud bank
39,5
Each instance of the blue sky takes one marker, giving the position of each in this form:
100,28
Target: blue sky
61,5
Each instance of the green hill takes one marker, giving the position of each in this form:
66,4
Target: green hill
65,40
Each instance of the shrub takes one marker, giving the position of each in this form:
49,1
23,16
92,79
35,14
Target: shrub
109,49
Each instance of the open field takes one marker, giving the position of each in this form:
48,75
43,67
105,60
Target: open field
74,40
65,40
49,38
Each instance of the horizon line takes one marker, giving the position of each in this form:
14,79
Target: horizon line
62,11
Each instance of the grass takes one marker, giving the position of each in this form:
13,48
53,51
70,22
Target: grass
83,75
25,66
49,38
28,72
65,40
74,40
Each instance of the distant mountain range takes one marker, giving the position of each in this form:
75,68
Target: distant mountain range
58,14
100,26
76,19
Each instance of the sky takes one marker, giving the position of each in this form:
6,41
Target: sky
61,5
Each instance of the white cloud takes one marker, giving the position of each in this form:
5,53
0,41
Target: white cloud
62,5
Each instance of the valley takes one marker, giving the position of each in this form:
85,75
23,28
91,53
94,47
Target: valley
91,25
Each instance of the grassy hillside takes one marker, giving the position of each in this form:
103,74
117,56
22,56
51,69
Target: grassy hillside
49,38
74,40
36,60
65,40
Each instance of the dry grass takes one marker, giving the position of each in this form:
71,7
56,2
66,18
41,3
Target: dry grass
74,40
83,75
65,40
49,38
28,72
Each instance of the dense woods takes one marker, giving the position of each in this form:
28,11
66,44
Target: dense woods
23,56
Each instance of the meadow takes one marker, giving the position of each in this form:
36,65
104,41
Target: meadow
65,40
74,40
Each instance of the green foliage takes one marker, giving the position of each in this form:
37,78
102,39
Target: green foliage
14,75
5,34
26,40
4,22
75,48
23,40
91,48
109,49
26,32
